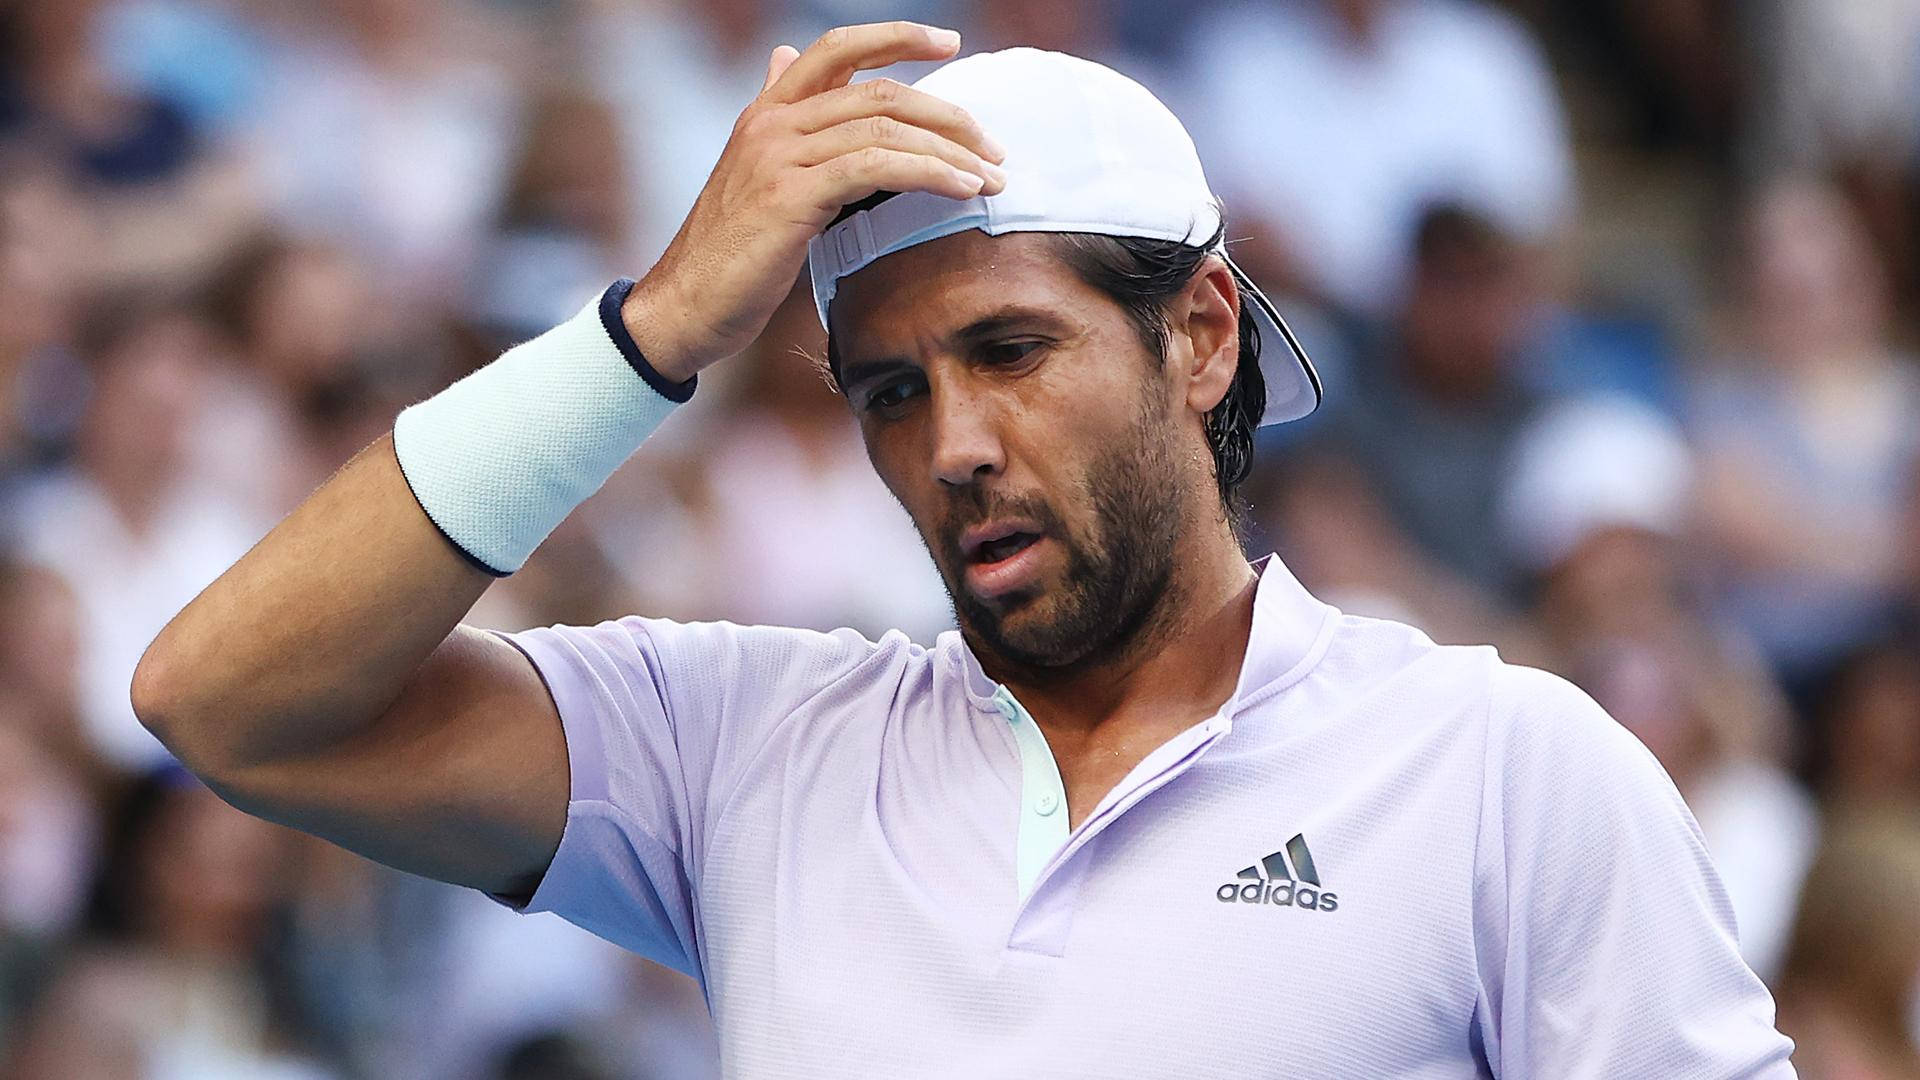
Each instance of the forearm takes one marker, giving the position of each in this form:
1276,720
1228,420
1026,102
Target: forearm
315,632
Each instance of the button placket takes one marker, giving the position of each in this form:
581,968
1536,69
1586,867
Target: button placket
1043,828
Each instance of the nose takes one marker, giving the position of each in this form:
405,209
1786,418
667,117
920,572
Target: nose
966,441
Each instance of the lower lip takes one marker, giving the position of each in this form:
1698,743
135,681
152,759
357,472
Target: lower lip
1016,571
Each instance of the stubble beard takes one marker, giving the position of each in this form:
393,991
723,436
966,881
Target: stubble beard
1118,582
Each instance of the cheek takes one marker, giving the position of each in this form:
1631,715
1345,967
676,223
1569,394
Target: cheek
900,461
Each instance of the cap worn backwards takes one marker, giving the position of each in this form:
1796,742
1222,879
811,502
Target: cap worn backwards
1089,151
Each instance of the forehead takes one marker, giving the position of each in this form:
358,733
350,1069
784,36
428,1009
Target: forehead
938,286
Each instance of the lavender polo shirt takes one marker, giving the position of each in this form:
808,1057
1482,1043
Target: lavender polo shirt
1382,858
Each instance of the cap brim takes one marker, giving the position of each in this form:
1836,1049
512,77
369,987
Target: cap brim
1293,387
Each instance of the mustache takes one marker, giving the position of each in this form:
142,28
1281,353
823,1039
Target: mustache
971,505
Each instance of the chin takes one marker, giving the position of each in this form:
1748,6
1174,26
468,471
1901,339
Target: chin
1027,628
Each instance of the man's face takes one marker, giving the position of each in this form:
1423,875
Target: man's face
1019,417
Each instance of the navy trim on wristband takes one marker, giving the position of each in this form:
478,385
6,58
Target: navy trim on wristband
472,559
616,327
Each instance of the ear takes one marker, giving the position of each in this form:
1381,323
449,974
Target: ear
1208,313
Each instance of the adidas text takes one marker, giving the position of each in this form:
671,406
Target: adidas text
1282,894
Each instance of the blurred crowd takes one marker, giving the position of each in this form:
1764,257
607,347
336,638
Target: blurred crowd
1613,300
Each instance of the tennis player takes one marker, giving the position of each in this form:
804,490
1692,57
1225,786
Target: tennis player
1151,812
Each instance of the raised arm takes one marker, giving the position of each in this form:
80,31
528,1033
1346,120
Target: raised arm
325,682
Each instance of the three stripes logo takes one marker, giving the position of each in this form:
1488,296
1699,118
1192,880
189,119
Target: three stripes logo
1270,881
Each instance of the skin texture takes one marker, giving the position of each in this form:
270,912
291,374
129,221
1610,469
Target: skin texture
990,384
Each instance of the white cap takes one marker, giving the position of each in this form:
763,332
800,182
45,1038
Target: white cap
1606,462
1088,150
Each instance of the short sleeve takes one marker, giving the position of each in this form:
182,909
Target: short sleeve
660,719
1606,945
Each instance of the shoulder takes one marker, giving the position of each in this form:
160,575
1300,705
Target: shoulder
722,655
1528,719
1538,716
1561,770
717,669
1370,655
757,643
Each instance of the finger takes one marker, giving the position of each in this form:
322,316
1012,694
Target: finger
852,177
831,61
885,97
882,131
777,64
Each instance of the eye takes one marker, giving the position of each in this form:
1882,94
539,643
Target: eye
888,398
1009,353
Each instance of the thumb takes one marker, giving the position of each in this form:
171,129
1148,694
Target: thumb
783,55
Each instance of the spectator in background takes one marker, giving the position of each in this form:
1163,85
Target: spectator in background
1840,96
206,58
1868,722
1850,996
1081,27
1429,403
1336,123
40,650
563,225
157,201
39,380
172,986
1088,28
127,526
1671,75
1595,508
1808,445
47,831
386,128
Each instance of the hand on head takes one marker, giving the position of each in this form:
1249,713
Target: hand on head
810,143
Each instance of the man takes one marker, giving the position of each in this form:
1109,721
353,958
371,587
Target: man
1151,812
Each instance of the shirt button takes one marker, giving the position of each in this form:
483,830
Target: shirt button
1046,804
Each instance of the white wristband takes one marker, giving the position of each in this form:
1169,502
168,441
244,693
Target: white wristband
500,458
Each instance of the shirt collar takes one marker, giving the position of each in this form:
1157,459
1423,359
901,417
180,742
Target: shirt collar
1289,625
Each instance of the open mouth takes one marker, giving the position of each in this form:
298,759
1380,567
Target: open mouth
997,560
1005,547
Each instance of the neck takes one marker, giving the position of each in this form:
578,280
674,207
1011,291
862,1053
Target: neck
1184,662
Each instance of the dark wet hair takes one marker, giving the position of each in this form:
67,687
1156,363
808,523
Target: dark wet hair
1143,276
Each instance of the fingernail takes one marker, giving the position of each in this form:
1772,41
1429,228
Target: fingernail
973,181
995,173
946,39
994,148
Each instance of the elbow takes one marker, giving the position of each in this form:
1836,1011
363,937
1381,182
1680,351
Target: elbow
170,704
158,696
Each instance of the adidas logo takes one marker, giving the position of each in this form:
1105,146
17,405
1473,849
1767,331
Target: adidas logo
1269,882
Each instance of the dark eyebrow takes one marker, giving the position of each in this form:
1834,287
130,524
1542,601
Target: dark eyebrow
1009,318
861,372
